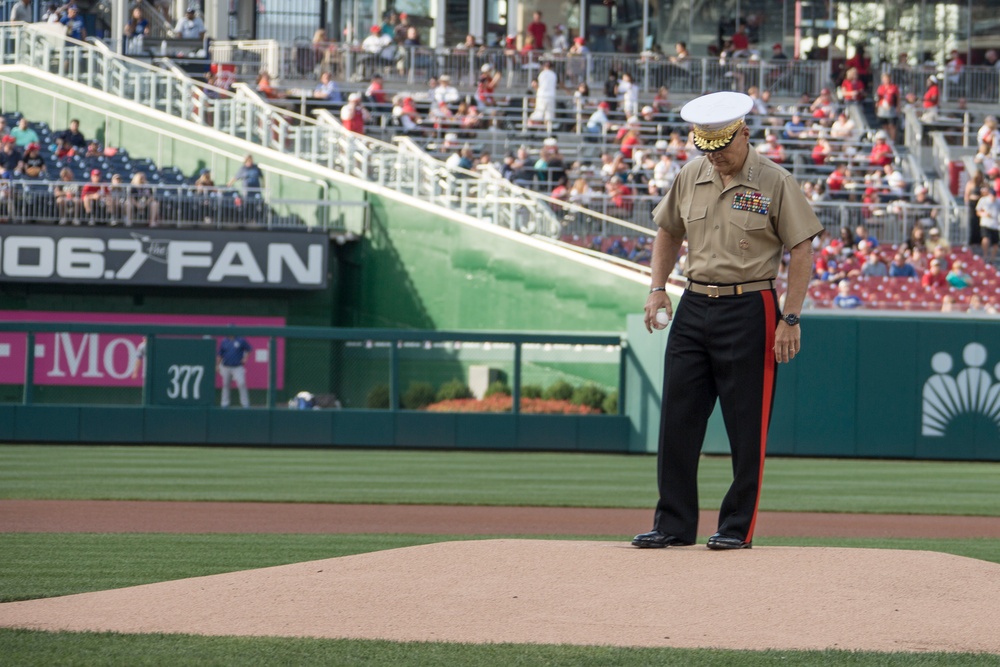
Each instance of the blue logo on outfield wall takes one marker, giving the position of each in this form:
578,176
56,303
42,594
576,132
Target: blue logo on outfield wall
972,391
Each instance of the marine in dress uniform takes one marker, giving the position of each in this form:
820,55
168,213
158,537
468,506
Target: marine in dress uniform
738,210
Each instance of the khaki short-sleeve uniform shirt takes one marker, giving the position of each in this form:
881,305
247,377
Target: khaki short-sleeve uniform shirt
736,234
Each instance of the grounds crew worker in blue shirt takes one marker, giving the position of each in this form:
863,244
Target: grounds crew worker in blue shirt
738,210
233,351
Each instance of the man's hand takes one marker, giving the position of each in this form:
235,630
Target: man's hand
655,302
787,341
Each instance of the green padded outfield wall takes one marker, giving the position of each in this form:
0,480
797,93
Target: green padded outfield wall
864,385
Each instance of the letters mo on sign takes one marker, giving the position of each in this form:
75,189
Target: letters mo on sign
169,257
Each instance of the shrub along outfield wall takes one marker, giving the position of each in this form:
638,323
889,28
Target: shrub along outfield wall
864,385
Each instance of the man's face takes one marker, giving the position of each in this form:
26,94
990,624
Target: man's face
730,160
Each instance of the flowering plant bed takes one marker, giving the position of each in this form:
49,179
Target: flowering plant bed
503,403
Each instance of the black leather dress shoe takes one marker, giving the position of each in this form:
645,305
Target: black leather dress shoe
658,540
720,542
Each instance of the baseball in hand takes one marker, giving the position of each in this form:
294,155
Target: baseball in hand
662,317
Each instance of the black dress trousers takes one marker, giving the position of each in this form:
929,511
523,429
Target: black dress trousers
717,348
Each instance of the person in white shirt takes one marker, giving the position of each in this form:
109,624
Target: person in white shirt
560,44
445,92
598,121
630,95
843,127
191,26
989,223
545,102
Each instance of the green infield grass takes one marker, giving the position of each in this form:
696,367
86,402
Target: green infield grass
479,478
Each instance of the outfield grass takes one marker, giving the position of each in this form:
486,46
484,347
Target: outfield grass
479,478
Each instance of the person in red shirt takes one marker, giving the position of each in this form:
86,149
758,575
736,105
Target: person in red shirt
822,151
934,276
881,154
538,31
741,43
862,63
375,92
852,88
835,181
771,149
887,105
92,192
629,143
933,94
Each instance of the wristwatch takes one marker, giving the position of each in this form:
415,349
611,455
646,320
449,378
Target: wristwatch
791,319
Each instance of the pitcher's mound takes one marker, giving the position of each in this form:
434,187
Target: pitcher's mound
569,592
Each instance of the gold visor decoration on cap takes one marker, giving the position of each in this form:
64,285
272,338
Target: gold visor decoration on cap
715,140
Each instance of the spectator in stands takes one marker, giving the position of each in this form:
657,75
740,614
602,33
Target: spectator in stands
93,194
900,268
67,196
10,156
580,194
664,173
441,117
576,61
24,134
559,40
115,201
918,258
51,13
973,187
75,27
21,12
265,87
924,207
402,28
778,52
852,88
843,128
545,96
958,277
327,89
32,163
93,151
822,151
954,67
771,148
205,183
794,128
935,240
628,91
191,26
887,105
353,114
844,298
895,182
141,201
934,276
489,78
445,92
989,223
823,106
461,159
873,266
631,140
661,103
861,233
73,136
598,122
862,65
249,174
136,30
468,117
947,303
881,153
380,50
538,32
917,238
620,198
932,98
836,181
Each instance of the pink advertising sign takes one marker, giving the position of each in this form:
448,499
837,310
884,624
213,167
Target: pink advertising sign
116,360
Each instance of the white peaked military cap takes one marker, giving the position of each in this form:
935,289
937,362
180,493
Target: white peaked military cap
716,117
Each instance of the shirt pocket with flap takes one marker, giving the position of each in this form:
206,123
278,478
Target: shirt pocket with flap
750,234
695,219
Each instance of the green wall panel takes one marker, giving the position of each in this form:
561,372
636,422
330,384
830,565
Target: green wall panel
547,432
425,429
47,423
364,428
110,424
826,376
239,427
482,431
302,427
7,413
601,433
183,425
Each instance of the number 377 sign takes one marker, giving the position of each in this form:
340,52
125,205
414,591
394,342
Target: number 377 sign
184,372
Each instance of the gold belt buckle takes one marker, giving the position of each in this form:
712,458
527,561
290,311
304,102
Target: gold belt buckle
713,291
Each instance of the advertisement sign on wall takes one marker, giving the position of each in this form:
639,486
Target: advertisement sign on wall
116,360
184,258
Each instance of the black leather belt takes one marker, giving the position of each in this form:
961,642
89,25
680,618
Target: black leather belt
715,291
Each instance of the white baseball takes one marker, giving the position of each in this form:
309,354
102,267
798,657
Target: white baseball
662,317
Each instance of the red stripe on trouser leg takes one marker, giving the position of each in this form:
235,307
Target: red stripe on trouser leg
767,393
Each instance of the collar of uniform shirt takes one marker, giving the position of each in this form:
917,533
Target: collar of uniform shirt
751,166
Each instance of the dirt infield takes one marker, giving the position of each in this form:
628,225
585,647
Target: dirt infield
541,591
